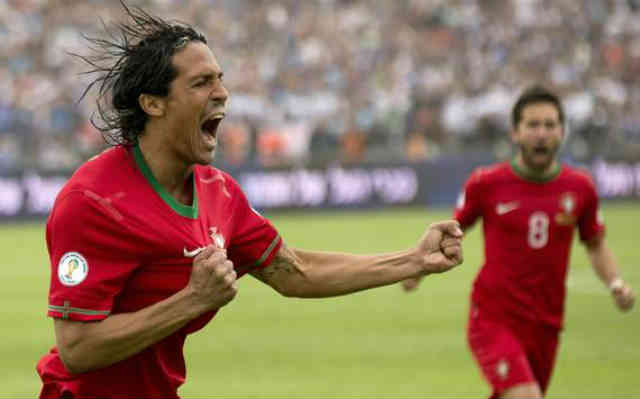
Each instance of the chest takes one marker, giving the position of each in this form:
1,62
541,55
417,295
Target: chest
534,211
168,245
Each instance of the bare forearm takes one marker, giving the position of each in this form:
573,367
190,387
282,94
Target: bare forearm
332,274
90,346
606,268
603,262
308,274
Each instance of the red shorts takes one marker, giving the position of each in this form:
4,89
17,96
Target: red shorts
510,351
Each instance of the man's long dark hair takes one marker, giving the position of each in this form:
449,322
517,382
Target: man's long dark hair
134,59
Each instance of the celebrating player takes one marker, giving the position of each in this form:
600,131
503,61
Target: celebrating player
146,240
530,208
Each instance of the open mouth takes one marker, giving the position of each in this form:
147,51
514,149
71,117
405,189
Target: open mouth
540,150
209,129
210,126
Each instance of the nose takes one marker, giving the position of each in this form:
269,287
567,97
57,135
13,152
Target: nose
219,94
539,132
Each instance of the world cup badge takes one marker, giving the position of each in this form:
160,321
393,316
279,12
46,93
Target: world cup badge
72,269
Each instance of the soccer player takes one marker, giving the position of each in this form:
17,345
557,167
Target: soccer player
530,208
146,240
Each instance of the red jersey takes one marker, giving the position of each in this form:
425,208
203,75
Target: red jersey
528,228
118,242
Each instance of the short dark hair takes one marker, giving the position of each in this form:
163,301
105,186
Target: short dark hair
535,94
135,59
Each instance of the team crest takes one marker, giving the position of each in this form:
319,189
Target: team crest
567,205
72,269
216,237
502,369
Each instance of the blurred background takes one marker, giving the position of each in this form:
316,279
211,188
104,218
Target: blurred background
319,86
379,104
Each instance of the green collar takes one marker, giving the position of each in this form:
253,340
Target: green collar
536,179
181,209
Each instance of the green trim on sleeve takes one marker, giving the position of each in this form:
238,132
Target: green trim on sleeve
66,310
267,252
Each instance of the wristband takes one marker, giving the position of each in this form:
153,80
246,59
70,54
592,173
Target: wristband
616,284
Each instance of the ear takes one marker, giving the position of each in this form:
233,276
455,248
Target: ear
152,105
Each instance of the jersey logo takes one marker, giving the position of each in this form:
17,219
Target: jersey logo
217,238
502,369
192,254
506,207
567,205
567,202
72,269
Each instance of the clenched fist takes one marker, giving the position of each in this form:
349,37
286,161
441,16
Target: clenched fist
623,295
213,279
440,248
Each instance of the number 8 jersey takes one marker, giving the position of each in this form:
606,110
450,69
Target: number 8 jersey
528,230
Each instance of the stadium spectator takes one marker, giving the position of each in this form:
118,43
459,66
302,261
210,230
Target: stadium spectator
146,240
530,208
337,59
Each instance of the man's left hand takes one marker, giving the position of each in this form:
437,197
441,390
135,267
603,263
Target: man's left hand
623,295
440,248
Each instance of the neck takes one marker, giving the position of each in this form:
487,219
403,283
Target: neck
533,173
168,170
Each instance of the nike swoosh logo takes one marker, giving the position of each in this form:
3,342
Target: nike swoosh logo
503,208
194,253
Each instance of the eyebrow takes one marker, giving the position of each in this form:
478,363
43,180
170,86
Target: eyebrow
207,75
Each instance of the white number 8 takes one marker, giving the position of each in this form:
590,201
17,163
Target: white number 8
538,230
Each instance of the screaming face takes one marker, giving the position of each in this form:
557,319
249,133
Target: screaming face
196,105
538,136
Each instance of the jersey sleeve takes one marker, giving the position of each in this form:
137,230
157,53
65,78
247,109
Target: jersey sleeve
255,240
468,206
590,223
90,257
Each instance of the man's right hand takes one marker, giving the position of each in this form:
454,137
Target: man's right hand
213,279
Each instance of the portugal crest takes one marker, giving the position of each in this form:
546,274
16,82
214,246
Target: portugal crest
502,369
217,238
566,215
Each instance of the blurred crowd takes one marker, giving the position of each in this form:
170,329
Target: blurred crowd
350,80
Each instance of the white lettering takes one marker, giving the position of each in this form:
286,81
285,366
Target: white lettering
395,186
11,196
268,189
42,192
336,186
349,187
614,180
311,187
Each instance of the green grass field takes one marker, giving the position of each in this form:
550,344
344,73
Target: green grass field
379,343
